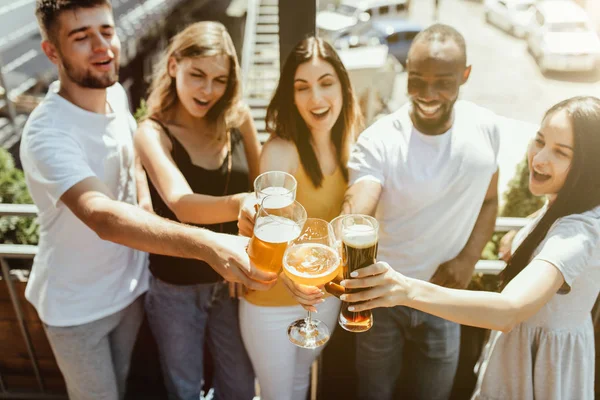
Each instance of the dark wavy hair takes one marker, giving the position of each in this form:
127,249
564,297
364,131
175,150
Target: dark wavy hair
581,190
283,119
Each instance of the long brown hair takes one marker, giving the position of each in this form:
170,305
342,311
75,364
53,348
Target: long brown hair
283,119
201,39
581,190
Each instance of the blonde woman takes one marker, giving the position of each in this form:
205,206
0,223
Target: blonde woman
313,119
199,147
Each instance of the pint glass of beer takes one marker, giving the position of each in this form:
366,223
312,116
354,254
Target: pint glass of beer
311,260
279,220
275,183
359,248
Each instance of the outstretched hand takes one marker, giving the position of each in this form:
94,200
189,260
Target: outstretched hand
382,287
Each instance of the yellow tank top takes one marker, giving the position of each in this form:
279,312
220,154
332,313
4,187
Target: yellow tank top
325,203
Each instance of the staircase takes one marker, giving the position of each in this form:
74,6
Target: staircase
260,59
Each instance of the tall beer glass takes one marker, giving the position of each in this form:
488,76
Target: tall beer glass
275,183
311,260
359,244
279,220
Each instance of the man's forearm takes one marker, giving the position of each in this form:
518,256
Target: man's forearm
482,231
362,198
133,227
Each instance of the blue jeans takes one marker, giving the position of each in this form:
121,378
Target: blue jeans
182,318
434,345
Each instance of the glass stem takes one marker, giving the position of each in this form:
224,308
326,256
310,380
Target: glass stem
309,322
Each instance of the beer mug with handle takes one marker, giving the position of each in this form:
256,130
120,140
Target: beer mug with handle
275,183
279,220
311,260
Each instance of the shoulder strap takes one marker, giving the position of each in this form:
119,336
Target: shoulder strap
162,126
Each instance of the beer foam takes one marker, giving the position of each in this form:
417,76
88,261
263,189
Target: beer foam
277,191
275,229
311,260
276,202
359,236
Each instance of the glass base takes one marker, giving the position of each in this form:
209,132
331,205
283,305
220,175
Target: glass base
359,323
308,335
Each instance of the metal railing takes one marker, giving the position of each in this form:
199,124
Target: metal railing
17,251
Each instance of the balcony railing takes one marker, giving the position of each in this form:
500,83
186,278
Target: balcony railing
17,251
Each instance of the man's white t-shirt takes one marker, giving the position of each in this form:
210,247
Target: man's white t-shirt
78,277
433,186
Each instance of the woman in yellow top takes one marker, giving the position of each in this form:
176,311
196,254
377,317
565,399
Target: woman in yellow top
313,118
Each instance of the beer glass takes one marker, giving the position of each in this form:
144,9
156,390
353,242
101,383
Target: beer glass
311,260
279,220
275,183
359,250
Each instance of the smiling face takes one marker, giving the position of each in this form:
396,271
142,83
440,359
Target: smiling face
318,95
550,155
436,70
200,81
86,48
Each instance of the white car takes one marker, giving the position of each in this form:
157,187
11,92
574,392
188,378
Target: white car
511,15
561,37
334,21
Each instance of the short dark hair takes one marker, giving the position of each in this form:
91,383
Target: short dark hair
47,12
442,33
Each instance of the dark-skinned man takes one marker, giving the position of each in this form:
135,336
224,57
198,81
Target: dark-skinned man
428,172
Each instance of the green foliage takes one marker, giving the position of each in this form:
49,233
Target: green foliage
141,111
518,202
16,230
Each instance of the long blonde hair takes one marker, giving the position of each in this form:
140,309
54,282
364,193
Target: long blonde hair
201,39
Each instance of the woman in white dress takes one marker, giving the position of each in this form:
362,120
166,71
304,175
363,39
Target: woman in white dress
542,346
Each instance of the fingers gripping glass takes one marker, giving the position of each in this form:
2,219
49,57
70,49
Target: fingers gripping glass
356,241
311,260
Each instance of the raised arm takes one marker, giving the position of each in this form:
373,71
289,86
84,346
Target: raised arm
520,300
154,150
362,198
569,249
119,222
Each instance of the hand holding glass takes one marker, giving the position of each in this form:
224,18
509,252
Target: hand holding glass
312,260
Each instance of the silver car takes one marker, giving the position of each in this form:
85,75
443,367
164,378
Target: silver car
561,37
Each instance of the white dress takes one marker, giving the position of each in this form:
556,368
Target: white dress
551,355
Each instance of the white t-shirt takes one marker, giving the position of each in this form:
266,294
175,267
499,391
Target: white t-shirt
433,186
78,277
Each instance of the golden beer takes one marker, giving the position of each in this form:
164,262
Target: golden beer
311,264
270,240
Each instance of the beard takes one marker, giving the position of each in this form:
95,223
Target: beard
433,126
85,78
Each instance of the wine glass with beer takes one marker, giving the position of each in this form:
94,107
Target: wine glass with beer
279,220
313,260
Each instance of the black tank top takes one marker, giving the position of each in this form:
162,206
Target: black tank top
184,271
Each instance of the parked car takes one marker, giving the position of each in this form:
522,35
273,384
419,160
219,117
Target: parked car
396,33
561,37
335,20
513,16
